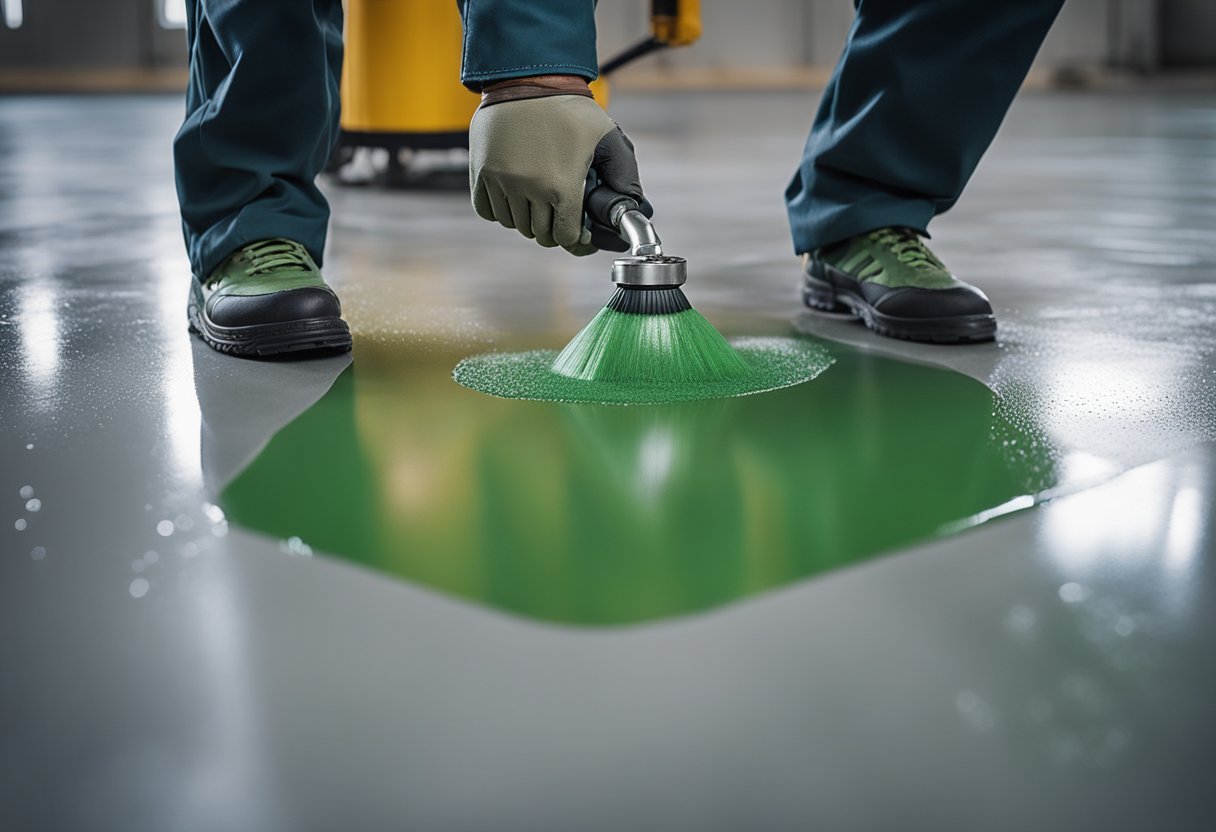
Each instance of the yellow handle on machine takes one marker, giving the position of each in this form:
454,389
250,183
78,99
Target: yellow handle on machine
672,23
676,22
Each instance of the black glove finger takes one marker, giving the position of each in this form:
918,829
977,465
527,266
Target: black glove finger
616,164
603,235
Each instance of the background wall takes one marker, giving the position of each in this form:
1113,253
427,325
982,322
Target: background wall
1133,34
772,35
1188,33
80,34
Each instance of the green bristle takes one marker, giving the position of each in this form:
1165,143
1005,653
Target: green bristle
680,347
772,363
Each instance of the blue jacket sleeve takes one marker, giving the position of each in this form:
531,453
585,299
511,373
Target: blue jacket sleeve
516,38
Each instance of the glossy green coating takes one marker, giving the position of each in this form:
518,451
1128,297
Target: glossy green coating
597,515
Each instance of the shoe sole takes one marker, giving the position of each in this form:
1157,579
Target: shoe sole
327,334
818,293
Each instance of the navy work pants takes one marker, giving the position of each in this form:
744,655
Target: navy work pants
914,102
261,119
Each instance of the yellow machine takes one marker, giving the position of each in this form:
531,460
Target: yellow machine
401,76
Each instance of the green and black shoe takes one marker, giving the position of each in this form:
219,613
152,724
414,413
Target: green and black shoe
890,280
267,298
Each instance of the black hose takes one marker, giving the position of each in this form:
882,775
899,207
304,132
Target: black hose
630,54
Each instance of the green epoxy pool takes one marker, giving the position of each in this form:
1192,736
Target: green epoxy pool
603,515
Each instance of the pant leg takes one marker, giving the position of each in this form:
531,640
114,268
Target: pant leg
261,119
914,102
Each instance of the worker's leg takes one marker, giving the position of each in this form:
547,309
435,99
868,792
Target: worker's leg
261,118
914,102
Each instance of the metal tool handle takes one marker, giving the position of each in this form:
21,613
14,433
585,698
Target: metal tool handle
646,266
621,212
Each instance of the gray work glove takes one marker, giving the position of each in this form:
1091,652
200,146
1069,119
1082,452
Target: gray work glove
529,161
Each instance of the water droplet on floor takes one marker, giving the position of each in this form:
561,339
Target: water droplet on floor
151,556
1071,593
164,528
139,588
33,505
20,524
137,565
1021,620
27,491
296,546
975,711
38,552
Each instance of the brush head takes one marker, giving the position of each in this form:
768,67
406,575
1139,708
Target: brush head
648,300
676,347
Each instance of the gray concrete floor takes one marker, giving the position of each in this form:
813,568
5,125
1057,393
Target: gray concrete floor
1052,669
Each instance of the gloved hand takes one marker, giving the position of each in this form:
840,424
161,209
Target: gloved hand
528,164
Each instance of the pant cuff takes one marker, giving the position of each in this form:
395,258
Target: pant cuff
817,224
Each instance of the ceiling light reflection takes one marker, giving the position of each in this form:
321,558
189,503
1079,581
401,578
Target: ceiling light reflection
1185,534
655,458
1136,540
41,338
183,419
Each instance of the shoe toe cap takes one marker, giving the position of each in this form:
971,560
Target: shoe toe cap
274,308
959,302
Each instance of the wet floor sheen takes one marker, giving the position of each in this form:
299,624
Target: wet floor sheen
166,667
596,515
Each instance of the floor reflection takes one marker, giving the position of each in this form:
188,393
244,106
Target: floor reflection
609,515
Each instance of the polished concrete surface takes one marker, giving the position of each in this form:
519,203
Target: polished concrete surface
175,658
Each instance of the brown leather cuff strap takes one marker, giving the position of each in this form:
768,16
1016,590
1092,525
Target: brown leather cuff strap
538,86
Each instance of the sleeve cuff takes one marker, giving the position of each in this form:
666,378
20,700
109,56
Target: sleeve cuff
506,39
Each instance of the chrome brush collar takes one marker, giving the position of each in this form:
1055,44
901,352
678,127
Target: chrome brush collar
646,266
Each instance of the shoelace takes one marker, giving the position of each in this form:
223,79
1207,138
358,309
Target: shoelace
907,247
272,256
